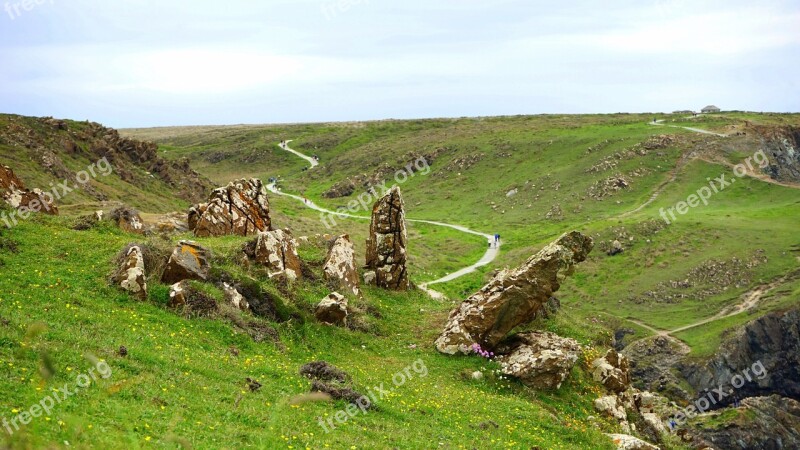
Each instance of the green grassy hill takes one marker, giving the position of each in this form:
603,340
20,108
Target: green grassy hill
563,170
183,382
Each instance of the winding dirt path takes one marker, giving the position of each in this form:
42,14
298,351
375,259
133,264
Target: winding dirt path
488,257
750,299
696,130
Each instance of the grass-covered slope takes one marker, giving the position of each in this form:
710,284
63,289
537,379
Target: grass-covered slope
183,381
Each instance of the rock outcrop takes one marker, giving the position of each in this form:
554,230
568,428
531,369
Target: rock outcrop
235,298
332,310
277,251
131,274
760,423
613,370
541,360
191,301
781,146
189,261
765,354
333,383
241,208
128,220
612,406
59,147
13,192
653,361
386,245
512,297
340,266
626,442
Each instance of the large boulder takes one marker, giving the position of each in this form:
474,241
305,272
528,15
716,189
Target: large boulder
340,265
13,192
627,442
128,220
613,370
241,208
277,251
189,261
386,245
541,360
512,297
332,310
131,274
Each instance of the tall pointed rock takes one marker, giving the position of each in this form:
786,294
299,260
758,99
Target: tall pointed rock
386,245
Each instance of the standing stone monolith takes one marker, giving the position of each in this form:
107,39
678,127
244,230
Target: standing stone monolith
386,245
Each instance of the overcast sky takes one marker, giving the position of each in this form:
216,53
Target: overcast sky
129,63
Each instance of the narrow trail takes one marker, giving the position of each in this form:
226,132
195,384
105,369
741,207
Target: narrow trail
750,300
488,257
696,130
312,161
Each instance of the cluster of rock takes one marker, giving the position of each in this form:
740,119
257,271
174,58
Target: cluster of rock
188,261
541,360
386,245
13,192
240,208
613,372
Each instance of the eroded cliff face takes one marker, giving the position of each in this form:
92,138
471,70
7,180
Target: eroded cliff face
782,147
760,423
56,145
765,353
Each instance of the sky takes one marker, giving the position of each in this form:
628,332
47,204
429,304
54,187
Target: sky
141,63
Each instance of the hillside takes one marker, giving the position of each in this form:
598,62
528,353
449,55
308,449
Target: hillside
531,178
228,379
